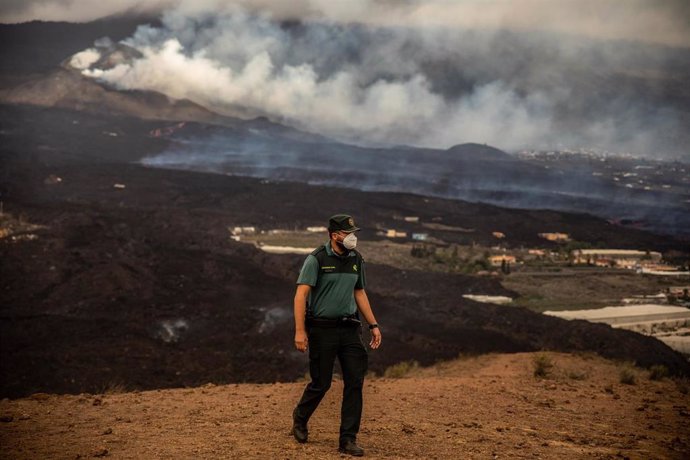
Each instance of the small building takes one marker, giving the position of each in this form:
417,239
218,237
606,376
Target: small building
536,252
625,258
658,267
499,235
555,237
392,233
497,261
604,263
413,219
420,236
243,230
679,290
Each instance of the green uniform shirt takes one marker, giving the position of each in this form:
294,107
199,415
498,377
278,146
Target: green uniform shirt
333,282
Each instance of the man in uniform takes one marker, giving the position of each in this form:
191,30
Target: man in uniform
330,293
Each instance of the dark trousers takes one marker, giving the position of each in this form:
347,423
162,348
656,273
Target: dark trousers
325,344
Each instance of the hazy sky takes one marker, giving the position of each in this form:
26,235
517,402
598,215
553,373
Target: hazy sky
659,21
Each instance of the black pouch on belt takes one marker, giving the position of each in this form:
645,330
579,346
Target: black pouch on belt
349,321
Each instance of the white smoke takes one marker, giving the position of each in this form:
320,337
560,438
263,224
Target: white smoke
248,61
380,85
427,73
85,59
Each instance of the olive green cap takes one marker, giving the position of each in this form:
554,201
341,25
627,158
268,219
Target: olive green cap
342,222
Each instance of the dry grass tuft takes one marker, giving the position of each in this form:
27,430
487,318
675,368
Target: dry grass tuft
543,365
658,372
400,370
627,376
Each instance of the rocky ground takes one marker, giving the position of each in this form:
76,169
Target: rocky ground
486,407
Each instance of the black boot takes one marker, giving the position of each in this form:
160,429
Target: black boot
299,429
351,448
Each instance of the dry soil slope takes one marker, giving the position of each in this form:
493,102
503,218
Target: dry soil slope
486,407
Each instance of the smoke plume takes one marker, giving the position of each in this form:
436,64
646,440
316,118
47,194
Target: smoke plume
427,73
647,20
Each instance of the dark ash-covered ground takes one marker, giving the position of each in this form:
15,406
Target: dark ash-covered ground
141,287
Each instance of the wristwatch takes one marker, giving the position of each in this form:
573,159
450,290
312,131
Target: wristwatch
373,326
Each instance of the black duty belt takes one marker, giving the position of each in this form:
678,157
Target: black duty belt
344,321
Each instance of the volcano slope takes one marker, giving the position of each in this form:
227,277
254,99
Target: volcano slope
132,279
485,407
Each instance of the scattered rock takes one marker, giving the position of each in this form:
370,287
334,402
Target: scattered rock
6,418
472,425
409,429
100,452
108,431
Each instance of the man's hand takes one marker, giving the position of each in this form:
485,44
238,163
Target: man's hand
375,341
301,341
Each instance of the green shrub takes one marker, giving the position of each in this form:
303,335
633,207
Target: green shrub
400,370
576,375
627,376
542,365
658,372
113,388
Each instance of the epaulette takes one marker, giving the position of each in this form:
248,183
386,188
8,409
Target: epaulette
317,250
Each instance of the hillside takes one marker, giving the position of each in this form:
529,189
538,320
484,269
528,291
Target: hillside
486,407
66,88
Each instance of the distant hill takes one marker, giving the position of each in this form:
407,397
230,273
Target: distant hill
38,47
67,88
30,50
479,152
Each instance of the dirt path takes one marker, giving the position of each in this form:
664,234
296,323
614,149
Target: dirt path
486,407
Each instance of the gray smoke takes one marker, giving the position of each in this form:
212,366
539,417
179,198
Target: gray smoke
651,21
431,73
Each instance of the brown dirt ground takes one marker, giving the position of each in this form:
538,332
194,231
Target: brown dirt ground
484,407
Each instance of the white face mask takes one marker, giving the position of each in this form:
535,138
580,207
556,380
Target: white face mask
350,241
